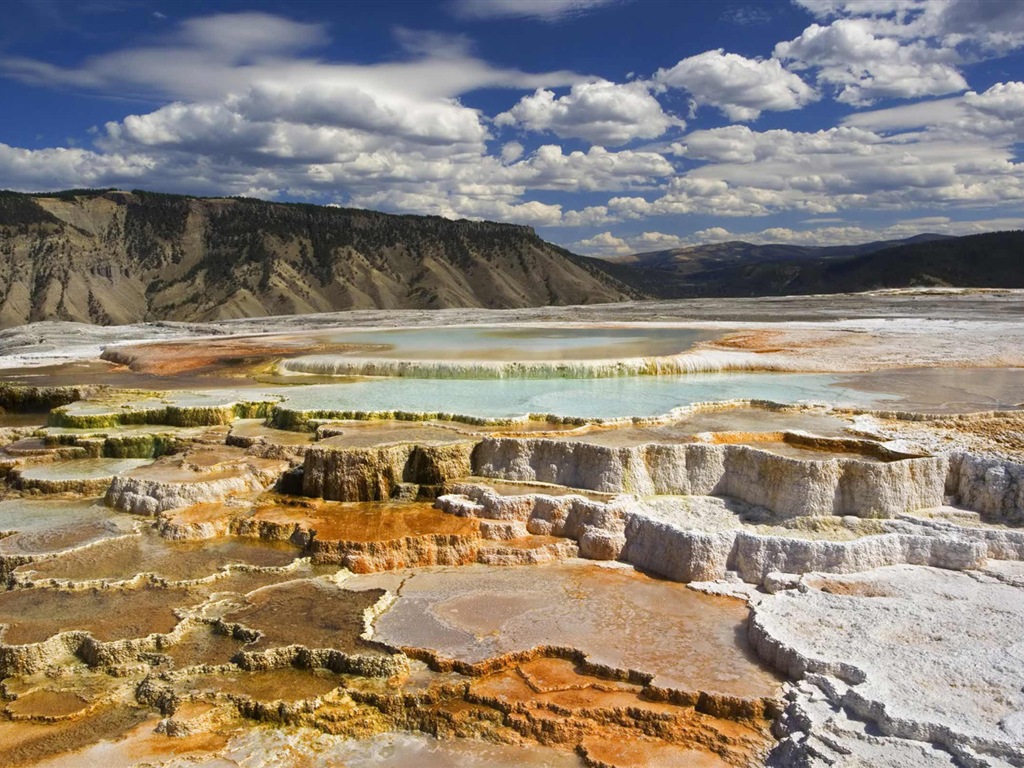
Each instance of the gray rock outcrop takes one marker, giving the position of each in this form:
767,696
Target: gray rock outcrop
786,486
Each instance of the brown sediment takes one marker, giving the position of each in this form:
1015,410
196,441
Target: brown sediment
36,614
714,421
373,434
155,741
47,706
558,697
812,447
28,743
538,699
38,447
126,557
356,522
945,391
231,356
558,702
201,476
576,657
202,645
64,537
307,613
605,752
260,440
673,637
367,536
769,341
527,550
285,684
202,521
520,488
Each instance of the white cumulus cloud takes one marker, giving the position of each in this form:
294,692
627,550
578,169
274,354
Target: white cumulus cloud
863,68
603,244
601,113
742,88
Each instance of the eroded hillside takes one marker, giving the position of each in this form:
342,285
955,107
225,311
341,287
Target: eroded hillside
120,257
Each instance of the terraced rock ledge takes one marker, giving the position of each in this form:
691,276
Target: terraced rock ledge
728,584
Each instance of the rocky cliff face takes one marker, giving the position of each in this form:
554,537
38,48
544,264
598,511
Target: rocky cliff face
788,487
120,257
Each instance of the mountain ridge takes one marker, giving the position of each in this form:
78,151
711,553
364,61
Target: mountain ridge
741,249
989,260
113,257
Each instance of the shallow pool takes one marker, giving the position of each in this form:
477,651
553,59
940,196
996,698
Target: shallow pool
577,398
521,344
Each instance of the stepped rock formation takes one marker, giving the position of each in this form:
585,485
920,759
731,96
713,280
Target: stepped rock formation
372,591
923,643
788,487
992,486
124,257
173,482
703,539
375,474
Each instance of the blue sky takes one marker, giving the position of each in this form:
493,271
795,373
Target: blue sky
612,126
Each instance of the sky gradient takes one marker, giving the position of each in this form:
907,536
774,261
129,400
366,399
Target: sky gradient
612,126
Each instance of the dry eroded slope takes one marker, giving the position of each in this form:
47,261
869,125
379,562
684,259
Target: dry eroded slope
119,257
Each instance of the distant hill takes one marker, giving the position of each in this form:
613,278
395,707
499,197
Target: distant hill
105,256
108,256
710,254
993,260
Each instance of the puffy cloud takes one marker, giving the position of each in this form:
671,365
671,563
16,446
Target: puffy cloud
864,68
656,241
591,216
607,244
997,114
545,10
604,244
916,115
1000,110
233,35
46,169
742,88
878,49
713,235
472,206
601,112
743,172
439,121
512,151
998,27
251,113
855,234
596,169
992,27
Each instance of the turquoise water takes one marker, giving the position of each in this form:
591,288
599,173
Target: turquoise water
931,390
82,469
521,344
578,398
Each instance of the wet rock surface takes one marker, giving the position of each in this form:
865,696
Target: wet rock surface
258,574
941,665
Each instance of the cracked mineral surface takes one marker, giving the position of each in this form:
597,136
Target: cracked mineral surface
662,534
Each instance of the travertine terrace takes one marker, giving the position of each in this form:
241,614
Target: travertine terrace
622,536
